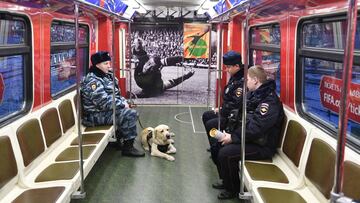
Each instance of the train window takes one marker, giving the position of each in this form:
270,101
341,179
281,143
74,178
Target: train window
13,32
63,55
265,50
330,35
15,67
266,35
66,33
322,70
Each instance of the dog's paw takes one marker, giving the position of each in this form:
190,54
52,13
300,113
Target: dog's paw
171,151
170,158
146,148
171,141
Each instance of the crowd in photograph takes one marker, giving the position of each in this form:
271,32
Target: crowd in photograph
165,42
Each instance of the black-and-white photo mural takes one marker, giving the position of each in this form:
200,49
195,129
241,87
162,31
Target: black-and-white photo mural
160,74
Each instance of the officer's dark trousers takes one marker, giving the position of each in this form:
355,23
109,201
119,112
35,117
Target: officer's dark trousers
211,120
228,158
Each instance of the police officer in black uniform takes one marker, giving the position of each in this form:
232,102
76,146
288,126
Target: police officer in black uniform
264,119
148,71
232,97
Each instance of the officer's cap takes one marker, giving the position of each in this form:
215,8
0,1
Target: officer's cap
99,57
232,58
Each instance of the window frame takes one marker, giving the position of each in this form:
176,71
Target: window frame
59,46
327,54
264,47
26,51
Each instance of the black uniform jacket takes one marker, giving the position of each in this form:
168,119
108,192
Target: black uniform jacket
233,93
264,118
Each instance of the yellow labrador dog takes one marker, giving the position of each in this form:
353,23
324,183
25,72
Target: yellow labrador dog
158,141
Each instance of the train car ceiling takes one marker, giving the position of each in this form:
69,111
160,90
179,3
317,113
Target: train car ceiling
153,10
87,7
262,8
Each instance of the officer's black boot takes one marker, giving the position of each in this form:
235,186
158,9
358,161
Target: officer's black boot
174,82
128,149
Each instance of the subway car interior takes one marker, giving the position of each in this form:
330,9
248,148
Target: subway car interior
50,51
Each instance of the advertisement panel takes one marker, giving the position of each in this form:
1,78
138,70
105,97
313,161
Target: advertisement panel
222,6
330,93
196,40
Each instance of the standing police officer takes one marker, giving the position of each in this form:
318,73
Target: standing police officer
97,99
264,119
232,99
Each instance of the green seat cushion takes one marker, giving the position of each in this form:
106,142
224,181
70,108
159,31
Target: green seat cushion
350,185
272,195
93,138
320,166
72,153
44,195
95,128
8,167
59,171
30,140
66,115
294,141
265,172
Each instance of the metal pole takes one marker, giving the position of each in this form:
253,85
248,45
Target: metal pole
344,102
114,78
220,55
78,194
130,57
209,69
242,194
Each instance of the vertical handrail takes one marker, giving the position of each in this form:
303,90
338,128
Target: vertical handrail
242,194
130,57
220,63
220,55
344,100
79,194
209,69
113,75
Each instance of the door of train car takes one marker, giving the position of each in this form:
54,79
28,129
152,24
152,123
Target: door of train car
170,63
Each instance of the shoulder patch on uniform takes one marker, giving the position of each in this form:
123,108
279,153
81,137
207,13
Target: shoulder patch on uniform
93,86
264,108
238,92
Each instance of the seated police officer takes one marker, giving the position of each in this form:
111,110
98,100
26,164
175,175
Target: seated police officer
232,96
97,99
148,71
264,119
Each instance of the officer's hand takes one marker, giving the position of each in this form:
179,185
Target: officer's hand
216,110
126,105
226,139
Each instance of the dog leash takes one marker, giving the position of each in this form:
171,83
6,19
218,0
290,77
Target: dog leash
138,118
133,105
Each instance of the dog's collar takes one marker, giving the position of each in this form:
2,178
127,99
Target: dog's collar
163,148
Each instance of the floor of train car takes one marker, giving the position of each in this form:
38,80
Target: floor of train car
115,178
